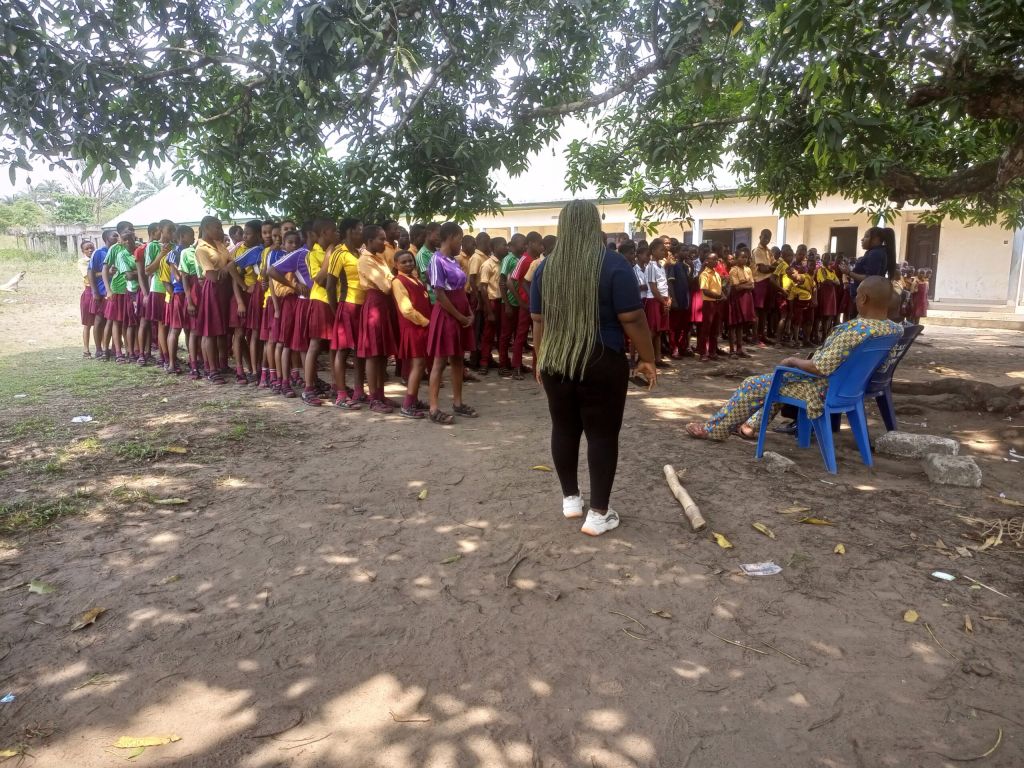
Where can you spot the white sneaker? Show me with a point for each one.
(597, 524)
(572, 507)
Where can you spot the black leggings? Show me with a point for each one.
(593, 406)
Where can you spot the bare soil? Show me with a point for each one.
(306, 608)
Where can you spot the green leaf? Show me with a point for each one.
(40, 587)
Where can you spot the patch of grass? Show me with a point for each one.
(125, 495)
(53, 467)
(32, 426)
(137, 450)
(221, 405)
(33, 514)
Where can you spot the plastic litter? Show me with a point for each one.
(943, 576)
(21, 395)
(8, 699)
(761, 569)
(81, 419)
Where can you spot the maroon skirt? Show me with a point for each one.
(741, 308)
(799, 311)
(376, 331)
(827, 304)
(346, 326)
(412, 342)
(657, 318)
(254, 309)
(225, 296)
(762, 288)
(282, 326)
(153, 306)
(446, 338)
(85, 307)
(234, 321)
(919, 303)
(99, 306)
(131, 308)
(177, 313)
(320, 322)
(113, 307)
(696, 306)
(210, 320)
(299, 341)
(266, 320)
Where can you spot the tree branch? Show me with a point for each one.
(638, 76)
(987, 95)
(246, 97)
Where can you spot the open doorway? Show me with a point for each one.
(923, 250)
(842, 241)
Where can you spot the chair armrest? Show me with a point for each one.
(779, 369)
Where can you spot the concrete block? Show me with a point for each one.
(912, 446)
(952, 470)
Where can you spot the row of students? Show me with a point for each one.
(274, 299)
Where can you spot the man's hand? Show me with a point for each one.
(649, 372)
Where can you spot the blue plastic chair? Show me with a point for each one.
(880, 386)
(846, 389)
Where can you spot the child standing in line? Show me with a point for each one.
(919, 300)
(828, 294)
(269, 309)
(711, 312)
(191, 282)
(177, 317)
(153, 289)
(242, 271)
(85, 301)
(414, 312)
(348, 317)
(656, 307)
(100, 328)
(212, 260)
(799, 291)
(282, 310)
(323, 303)
(741, 313)
(517, 284)
(451, 324)
(678, 275)
(490, 301)
(477, 302)
(119, 277)
(378, 339)
(510, 299)
(292, 269)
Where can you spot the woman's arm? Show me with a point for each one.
(538, 337)
(635, 325)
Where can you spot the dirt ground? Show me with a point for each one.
(305, 607)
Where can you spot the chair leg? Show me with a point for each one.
(887, 410)
(803, 430)
(823, 432)
(762, 432)
(859, 426)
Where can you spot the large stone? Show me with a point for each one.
(776, 463)
(952, 470)
(912, 446)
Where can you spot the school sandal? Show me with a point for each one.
(379, 406)
(215, 378)
(194, 375)
(87, 354)
(419, 405)
(465, 410)
(440, 417)
(467, 376)
(309, 397)
(241, 380)
(411, 413)
(517, 375)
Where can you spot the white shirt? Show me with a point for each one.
(645, 291)
(655, 273)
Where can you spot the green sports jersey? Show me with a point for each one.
(121, 261)
(508, 266)
(152, 252)
(423, 257)
(188, 264)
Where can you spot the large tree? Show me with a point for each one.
(388, 107)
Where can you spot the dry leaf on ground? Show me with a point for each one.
(541, 468)
(422, 494)
(88, 618)
(840, 549)
(451, 559)
(794, 510)
(723, 542)
(910, 616)
(815, 521)
(968, 625)
(134, 742)
(179, 449)
(662, 614)
(171, 502)
(40, 587)
(762, 528)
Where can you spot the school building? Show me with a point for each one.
(976, 270)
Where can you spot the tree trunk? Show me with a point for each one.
(967, 395)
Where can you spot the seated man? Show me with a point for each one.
(742, 414)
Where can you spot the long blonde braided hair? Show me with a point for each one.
(569, 291)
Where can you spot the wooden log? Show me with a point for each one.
(691, 510)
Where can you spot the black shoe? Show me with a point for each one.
(786, 429)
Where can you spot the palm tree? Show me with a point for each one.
(151, 183)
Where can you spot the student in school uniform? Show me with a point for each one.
(98, 289)
(378, 339)
(510, 303)
(291, 271)
(828, 292)
(679, 324)
(152, 290)
(242, 271)
(517, 284)
(656, 307)
(269, 307)
(85, 301)
(414, 312)
(191, 279)
(323, 304)
(711, 312)
(279, 310)
(211, 320)
(761, 268)
(177, 317)
(348, 317)
(799, 290)
(451, 324)
(919, 297)
(431, 235)
(741, 311)
(120, 278)
(481, 252)
(490, 301)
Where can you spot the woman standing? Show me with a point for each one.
(584, 302)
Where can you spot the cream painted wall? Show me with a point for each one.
(974, 263)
